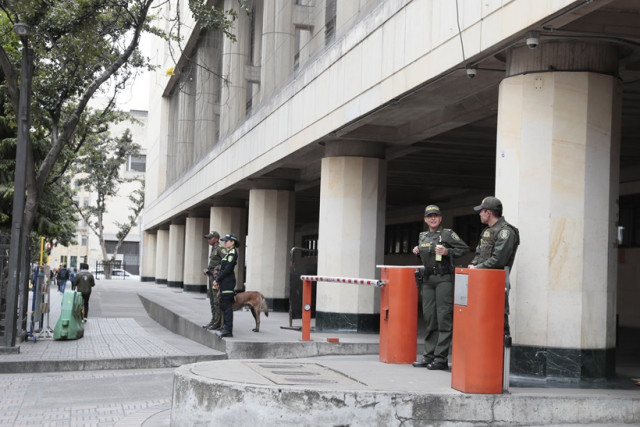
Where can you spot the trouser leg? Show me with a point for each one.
(444, 313)
(226, 305)
(85, 304)
(431, 321)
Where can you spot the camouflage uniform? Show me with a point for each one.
(215, 257)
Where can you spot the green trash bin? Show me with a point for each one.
(70, 325)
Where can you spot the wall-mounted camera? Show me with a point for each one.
(533, 40)
(471, 72)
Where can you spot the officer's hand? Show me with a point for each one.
(416, 251)
(205, 271)
(471, 266)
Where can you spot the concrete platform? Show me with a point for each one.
(362, 391)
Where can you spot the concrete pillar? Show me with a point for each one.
(186, 117)
(196, 254)
(175, 258)
(148, 270)
(232, 219)
(351, 234)
(557, 175)
(271, 226)
(172, 166)
(278, 45)
(234, 59)
(207, 101)
(162, 248)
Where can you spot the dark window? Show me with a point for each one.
(401, 238)
(330, 21)
(137, 163)
(629, 221)
(468, 227)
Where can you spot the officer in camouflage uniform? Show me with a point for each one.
(215, 257)
(498, 244)
(437, 248)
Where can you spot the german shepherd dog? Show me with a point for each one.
(256, 303)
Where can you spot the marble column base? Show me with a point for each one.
(161, 281)
(147, 279)
(347, 322)
(562, 365)
(279, 305)
(173, 284)
(195, 288)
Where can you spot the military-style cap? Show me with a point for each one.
(490, 202)
(432, 209)
(212, 234)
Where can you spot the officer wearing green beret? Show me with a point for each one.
(498, 243)
(215, 258)
(437, 247)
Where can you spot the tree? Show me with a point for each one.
(77, 46)
(98, 168)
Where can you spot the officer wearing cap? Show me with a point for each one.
(498, 243)
(215, 258)
(437, 247)
(226, 282)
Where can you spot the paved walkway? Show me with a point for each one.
(121, 373)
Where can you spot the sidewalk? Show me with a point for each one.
(266, 370)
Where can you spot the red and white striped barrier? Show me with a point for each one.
(306, 296)
(355, 281)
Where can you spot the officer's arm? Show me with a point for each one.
(458, 246)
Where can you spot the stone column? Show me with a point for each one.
(162, 248)
(351, 234)
(234, 59)
(271, 225)
(196, 254)
(231, 218)
(175, 259)
(557, 175)
(186, 119)
(148, 270)
(207, 101)
(278, 45)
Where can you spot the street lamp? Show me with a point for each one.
(17, 256)
(21, 29)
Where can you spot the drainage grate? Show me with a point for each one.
(300, 374)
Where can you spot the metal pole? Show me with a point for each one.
(306, 310)
(16, 259)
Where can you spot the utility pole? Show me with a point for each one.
(18, 241)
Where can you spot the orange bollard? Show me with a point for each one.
(398, 315)
(306, 310)
(478, 331)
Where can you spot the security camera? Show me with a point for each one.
(533, 40)
(471, 72)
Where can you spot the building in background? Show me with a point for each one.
(118, 208)
(339, 120)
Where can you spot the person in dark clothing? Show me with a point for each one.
(84, 282)
(226, 282)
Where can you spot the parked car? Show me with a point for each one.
(116, 274)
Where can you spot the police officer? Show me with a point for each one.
(215, 257)
(437, 248)
(498, 243)
(226, 282)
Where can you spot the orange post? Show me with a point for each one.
(306, 310)
(478, 331)
(398, 315)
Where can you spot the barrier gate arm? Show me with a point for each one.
(306, 296)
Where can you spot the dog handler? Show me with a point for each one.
(226, 282)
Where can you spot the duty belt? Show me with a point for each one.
(227, 292)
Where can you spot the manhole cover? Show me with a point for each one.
(300, 374)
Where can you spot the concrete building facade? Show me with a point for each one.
(330, 124)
